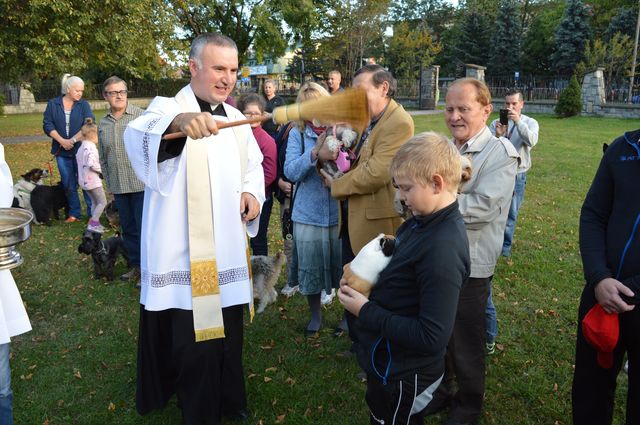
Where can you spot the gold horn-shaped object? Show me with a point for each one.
(349, 106)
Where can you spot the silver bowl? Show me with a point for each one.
(14, 229)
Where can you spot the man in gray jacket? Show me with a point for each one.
(484, 204)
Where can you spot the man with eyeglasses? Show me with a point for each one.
(121, 180)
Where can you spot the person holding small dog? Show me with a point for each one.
(252, 105)
(90, 173)
(63, 118)
(13, 316)
(484, 203)
(402, 329)
(315, 212)
(203, 195)
(121, 180)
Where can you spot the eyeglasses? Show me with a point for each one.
(115, 93)
(252, 114)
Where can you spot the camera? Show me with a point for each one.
(504, 116)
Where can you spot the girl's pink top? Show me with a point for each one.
(88, 166)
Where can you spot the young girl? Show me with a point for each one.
(89, 173)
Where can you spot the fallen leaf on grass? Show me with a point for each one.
(77, 374)
(267, 379)
(271, 369)
(555, 387)
(26, 377)
(112, 407)
(290, 381)
(60, 403)
(280, 419)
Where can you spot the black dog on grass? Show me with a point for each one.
(47, 200)
(103, 252)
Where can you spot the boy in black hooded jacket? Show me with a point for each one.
(405, 325)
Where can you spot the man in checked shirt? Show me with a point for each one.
(116, 168)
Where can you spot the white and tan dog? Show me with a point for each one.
(362, 273)
(265, 271)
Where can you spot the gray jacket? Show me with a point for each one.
(524, 136)
(485, 199)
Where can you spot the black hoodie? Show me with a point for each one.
(610, 217)
(409, 318)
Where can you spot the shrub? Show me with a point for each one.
(1, 104)
(570, 100)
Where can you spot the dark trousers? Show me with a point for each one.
(401, 401)
(464, 361)
(207, 376)
(594, 387)
(259, 243)
(129, 207)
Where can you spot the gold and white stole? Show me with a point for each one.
(205, 289)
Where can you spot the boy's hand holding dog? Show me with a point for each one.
(351, 299)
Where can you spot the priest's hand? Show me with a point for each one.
(249, 207)
(195, 125)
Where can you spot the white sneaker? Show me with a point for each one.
(326, 299)
(289, 291)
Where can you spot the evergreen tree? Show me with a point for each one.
(474, 43)
(623, 22)
(570, 99)
(505, 42)
(571, 36)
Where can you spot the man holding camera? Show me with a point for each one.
(522, 132)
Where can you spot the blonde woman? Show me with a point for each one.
(315, 212)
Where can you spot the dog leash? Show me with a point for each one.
(50, 169)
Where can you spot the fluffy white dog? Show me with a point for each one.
(362, 273)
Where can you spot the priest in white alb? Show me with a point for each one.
(203, 195)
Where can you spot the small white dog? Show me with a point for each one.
(265, 271)
(362, 273)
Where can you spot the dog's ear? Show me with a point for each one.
(604, 147)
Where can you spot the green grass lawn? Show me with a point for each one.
(77, 366)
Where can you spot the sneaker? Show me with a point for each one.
(289, 291)
(326, 299)
(98, 228)
(490, 348)
(131, 275)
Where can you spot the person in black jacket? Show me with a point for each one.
(610, 249)
(404, 327)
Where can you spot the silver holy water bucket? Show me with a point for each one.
(14, 229)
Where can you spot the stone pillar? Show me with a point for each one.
(429, 91)
(27, 101)
(593, 95)
(475, 71)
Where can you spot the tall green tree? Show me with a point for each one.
(436, 15)
(44, 39)
(410, 49)
(266, 26)
(571, 36)
(623, 22)
(539, 44)
(474, 42)
(612, 55)
(505, 40)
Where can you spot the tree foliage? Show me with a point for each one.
(409, 49)
(570, 100)
(505, 41)
(612, 55)
(474, 42)
(538, 45)
(44, 39)
(571, 36)
(623, 22)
